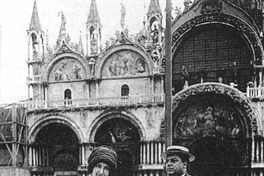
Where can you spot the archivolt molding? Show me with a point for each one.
(231, 21)
(98, 121)
(220, 89)
(38, 125)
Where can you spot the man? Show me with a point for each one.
(176, 160)
(102, 162)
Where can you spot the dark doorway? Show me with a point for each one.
(124, 137)
(63, 146)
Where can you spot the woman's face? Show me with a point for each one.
(101, 169)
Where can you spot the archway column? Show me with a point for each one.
(150, 152)
(84, 152)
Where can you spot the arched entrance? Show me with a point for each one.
(124, 137)
(216, 122)
(63, 147)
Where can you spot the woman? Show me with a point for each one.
(102, 162)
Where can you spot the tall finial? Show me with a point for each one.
(144, 19)
(93, 16)
(63, 21)
(62, 32)
(35, 22)
(123, 15)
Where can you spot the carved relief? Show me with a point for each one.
(150, 118)
(64, 49)
(125, 63)
(205, 120)
(67, 69)
(211, 6)
(218, 89)
(93, 44)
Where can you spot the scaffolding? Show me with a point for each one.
(13, 136)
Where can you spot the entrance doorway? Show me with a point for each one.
(124, 137)
(63, 148)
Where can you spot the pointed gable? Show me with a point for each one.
(93, 16)
(154, 7)
(35, 22)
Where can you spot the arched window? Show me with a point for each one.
(67, 97)
(124, 90)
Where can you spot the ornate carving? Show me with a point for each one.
(187, 5)
(241, 26)
(122, 38)
(218, 89)
(211, 6)
(215, 119)
(64, 49)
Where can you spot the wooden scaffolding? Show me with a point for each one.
(13, 136)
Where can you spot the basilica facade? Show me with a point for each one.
(83, 96)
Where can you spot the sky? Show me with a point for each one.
(15, 17)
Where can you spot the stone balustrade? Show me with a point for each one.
(34, 79)
(255, 92)
(93, 102)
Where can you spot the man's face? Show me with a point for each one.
(175, 166)
(101, 169)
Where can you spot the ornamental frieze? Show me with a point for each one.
(218, 18)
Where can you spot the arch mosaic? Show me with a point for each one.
(244, 109)
(100, 120)
(38, 125)
(231, 21)
(66, 67)
(123, 61)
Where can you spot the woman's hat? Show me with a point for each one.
(176, 150)
(103, 154)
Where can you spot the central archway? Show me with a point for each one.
(119, 132)
(216, 122)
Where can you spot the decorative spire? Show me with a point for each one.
(123, 16)
(93, 16)
(35, 23)
(62, 33)
(80, 45)
(154, 7)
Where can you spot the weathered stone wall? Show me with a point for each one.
(82, 121)
(78, 90)
(112, 88)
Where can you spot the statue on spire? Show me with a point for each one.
(63, 20)
(123, 15)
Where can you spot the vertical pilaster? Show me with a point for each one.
(97, 89)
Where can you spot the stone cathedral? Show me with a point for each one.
(83, 95)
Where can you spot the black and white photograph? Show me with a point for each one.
(131, 88)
